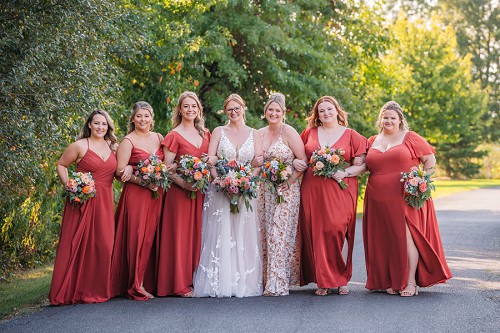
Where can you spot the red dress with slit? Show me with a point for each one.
(179, 235)
(327, 216)
(83, 257)
(137, 217)
(385, 216)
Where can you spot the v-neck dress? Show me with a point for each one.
(179, 233)
(83, 257)
(385, 216)
(137, 217)
(327, 216)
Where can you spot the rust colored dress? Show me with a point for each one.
(385, 215)
(327, 216)
(83, 259)
(179, 239)
(137, 217)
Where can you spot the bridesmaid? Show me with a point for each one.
(278, 222)
(327, 214)
(138, 213)
(83, 259)
(180, 227)
(403, 247)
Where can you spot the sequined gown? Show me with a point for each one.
(230, 261)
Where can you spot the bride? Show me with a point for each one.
(231, 255)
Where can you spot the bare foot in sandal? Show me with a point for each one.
(343, 290)
(322, 291)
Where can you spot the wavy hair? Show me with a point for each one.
(199, 121)
(313, 119)
(110, 133)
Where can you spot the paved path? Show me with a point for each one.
(470, 302)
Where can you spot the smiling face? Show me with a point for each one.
(327, 113)
(234, 111)
(274, 113)
(390, 121)
(189, 108)
(142, 120)
(98, 126)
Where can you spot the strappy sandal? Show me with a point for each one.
(407, 293)
(343, 290)
(391, 291)
(322, 291)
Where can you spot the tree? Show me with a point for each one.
(54, 72)
(434, 84)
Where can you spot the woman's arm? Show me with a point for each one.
(212, 150)
(429, 162)
(74, 153)
(297, 146)
(257, 146)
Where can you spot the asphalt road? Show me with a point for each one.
(470, 302)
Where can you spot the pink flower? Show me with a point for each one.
(414, 182)
(423, 187)
(319, 165)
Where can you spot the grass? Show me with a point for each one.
(25, 291)
(28, 290)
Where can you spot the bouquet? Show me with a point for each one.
(193, 170)
(236, 181)
(417, 187)
(153, 171)
(80, 188)
(326, 161)
(275, 172)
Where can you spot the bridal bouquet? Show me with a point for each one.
(275, 172)
(153, 171)
(80, 187)
(417, 187)
(193, 170)
(326, 161)
(236, 181)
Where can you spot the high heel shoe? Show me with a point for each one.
(391, 291)
(322, 291)
(408, 293)
(344, 290)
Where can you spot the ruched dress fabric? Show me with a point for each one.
(278, 224)
(179, 235)
(327, 216)
(137, 218)
(386, 214)
(231, 255)
(83, 259)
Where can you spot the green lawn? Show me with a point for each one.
(27, 290)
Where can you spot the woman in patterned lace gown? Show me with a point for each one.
(278, 221)
(230, 261)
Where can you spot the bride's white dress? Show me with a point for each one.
(231, 255)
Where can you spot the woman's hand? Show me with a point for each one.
(339, 175)
(127, 173)
(172, 168)
(258, 161)
(299, 165)
(358, 160)
(152, 187)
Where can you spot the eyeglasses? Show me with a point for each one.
(236, 109)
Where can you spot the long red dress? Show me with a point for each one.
(137, 217)
(83, 259)
(327, 216)
(179, 238)
(385, 215)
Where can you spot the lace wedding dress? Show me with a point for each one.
(230, 261)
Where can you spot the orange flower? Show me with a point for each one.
(268, 164)
(157, 168)
(197, 175)
(335, 159)
(144, 169)
(77, 199)
(205, 171)
(87, 189)
(264, 174)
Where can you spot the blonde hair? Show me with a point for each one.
(236, 98)
(391, 105)
(279, 98)
(313, 119)
(139, 106)
(199, 121)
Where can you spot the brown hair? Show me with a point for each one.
(391, 105)
(199, 121)
(110, 133)
(139, 106)
(313, 119)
